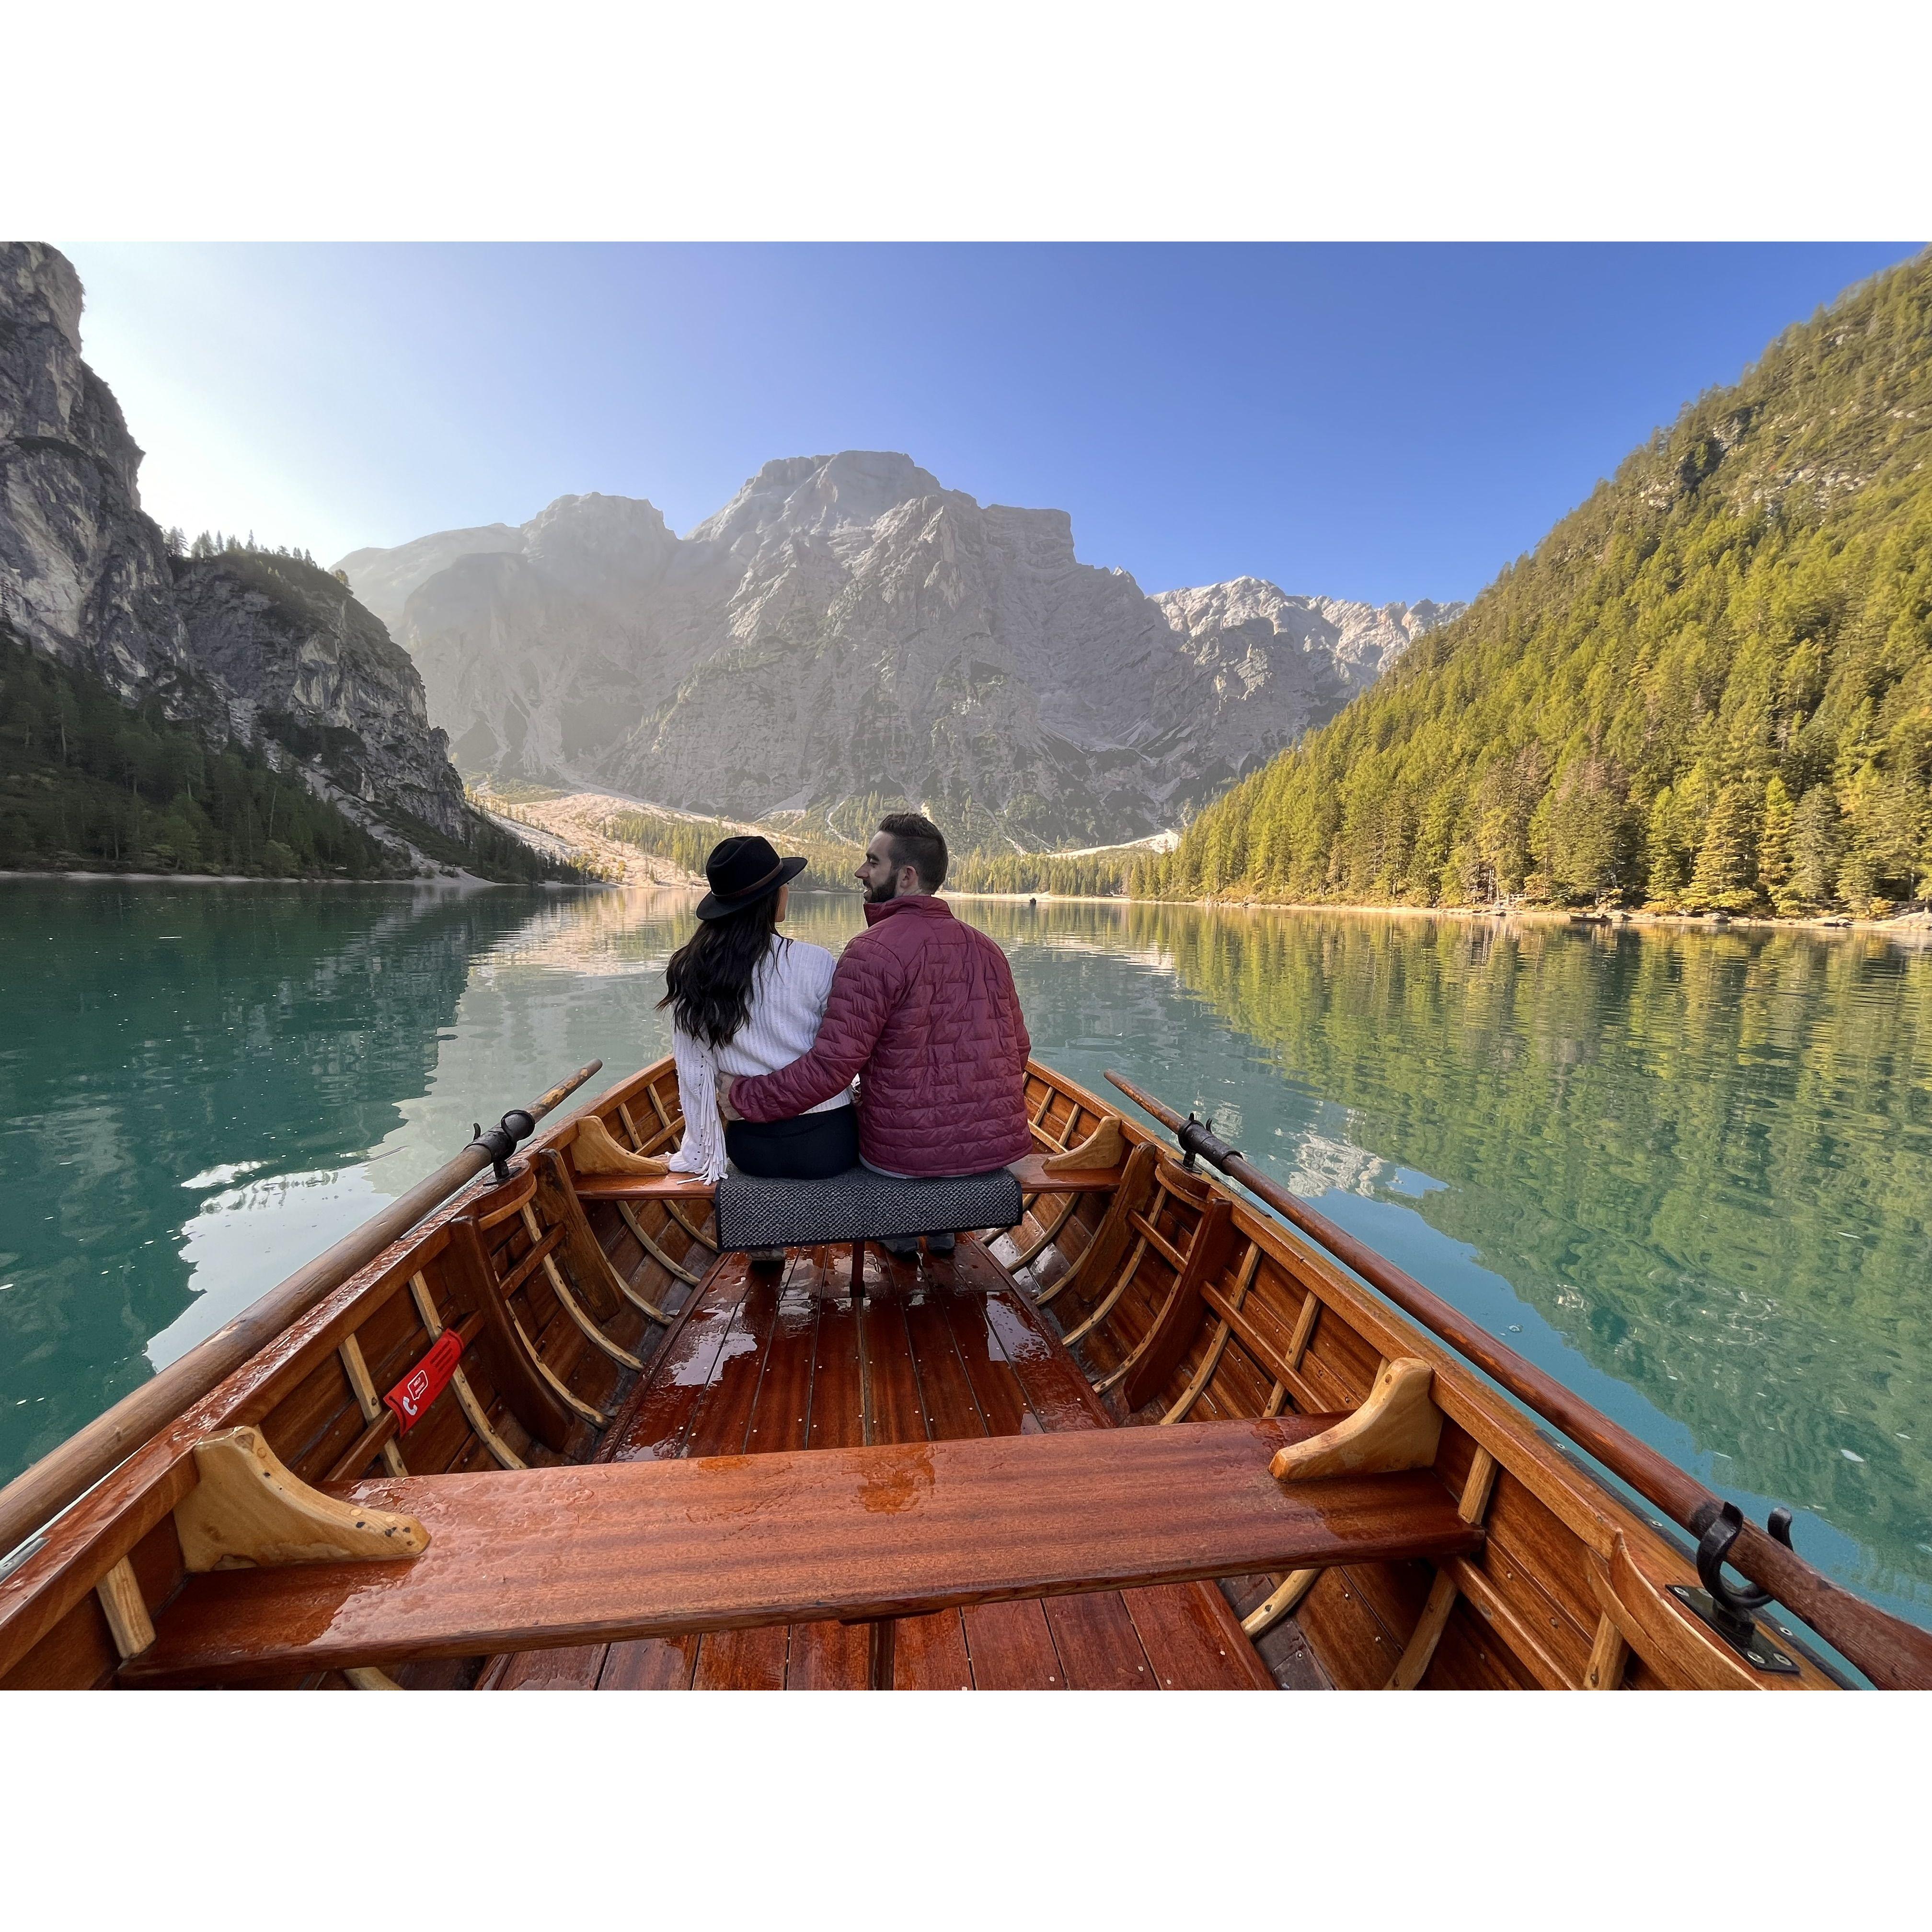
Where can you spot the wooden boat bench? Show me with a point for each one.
(542, 1559)
(857, 1207)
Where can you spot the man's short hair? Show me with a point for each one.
(919, 843)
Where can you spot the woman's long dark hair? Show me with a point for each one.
(708, 981)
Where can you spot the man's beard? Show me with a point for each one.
(879, 895)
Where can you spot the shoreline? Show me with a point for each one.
(1898, 925)
(464, 882)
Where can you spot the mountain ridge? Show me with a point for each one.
(239, 672)
(847, 627)
(1708, 689)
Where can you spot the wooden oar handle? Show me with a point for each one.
(1894, 1654)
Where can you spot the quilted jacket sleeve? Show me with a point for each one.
(865, 986)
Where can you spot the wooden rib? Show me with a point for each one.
(357, 1370)
(1287, 1380)
(537, 1253)
(126, 1609)
(1057, 1142)
(1304, 1329)
(591, 1334)
(1608, 1654)
(1114, 1293)
(666, 1130)
(1027, 1256)
(1161, 1245)
(598, 1418)
(658, 1255)
(1046, 1101)
(512, 1362)
(685, 1221)
(355, 1459)
(506, 1457)
(1511, 1631)
(1477, 1486)
(1210, 1362)
(1263, 1617)
(1158, 1353)
(631, 1128)
(1046, 1295)
(1420, 1651)
(367, 1677)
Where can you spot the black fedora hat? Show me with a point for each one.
(742, 871)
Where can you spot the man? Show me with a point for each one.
(923, 1007)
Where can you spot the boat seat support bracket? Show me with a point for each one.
(247, 1511)
(1397, 1427)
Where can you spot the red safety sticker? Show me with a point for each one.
(410, 1399)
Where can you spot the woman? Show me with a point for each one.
(745, 1000)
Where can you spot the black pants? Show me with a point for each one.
(813, 1146)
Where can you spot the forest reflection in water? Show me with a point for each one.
(1685, 1170)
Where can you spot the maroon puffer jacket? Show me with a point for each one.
(923, 1006)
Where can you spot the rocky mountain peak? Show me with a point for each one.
(818, 495)
(241, 644)
(848, 626)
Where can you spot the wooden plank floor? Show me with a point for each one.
(765, 1362)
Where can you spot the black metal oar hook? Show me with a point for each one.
(1198, 1137)
(500, 1142)
(1720, 1532)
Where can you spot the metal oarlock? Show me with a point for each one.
(500, 1142)
(1726, 1608)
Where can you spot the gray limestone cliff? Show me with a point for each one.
(848, 628)
(251, 645)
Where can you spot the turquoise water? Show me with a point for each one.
(1688, 1172)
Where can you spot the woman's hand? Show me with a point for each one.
(724, 1106)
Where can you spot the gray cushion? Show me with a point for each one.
(860, 1205)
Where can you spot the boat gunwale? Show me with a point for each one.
(105, 1526)
(102, 1526)
(1551, 1467)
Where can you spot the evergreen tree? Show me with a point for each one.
(1817, 843)
(1750, 599)
(1725, 877)
(1775, 863)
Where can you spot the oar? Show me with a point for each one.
(41, 1492)
(1894, 1654)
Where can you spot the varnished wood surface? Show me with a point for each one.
(1305, 1337)
(537, 1558)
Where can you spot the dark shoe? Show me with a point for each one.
(940, 1245)
(903, 1250)
(766, 1260)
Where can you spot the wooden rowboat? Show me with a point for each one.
(1154, 1438)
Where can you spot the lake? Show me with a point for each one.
(1687, 1172)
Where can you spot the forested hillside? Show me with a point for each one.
(1709, 688)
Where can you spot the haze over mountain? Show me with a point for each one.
(228, 707)
(848, 628)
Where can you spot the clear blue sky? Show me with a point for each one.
(1377, 421)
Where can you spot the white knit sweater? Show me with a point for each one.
(788, 994)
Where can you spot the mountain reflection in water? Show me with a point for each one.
(1687, 1172)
